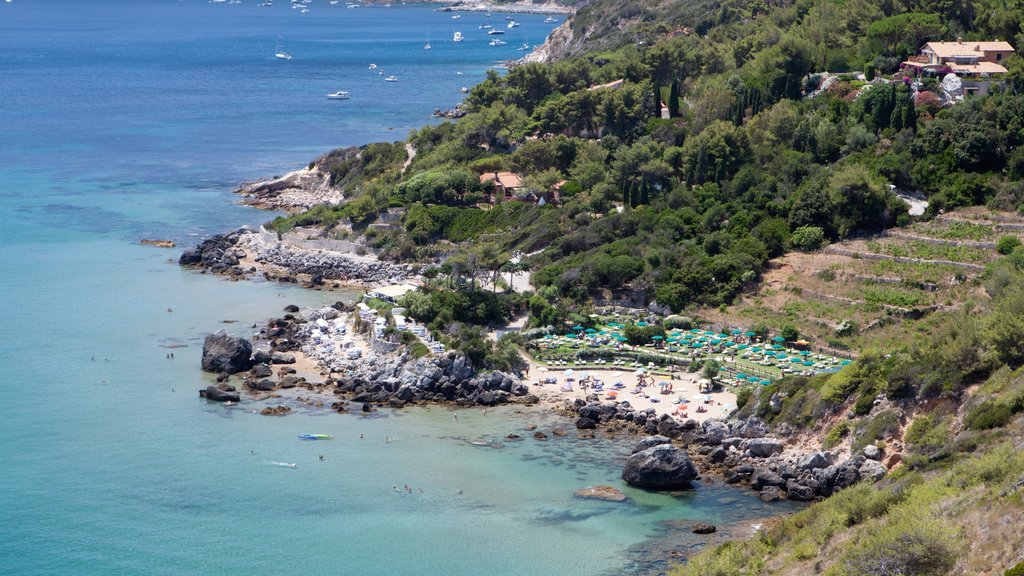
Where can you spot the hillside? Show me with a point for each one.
(734, 166)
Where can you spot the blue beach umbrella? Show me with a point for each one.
(778, 339)
(750, 334)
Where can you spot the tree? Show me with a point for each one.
(1006, 244)
(673, 99)
(657, 99)
(807, 238)
(710, 370)
(789, 332)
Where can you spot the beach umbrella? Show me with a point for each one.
(795, 360)
(803, 353)
(641, 323)
(568, 372)
(730, 344)
(639, 371)
(591, 331)
(741, 376)
(765, 382)
(776, 347)
(778, 339)
(736, 332)
(695, 330)
(808, 363)
(742, 347)
(672, 339)
(845, 362)
(577, 327)
(573, 336)
(657, 337)
(696, 344)
(750, 334)
(755, 349)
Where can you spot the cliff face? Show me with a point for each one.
(559, 44)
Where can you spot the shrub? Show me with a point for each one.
(836, 435)
(865, 402)
(807, 238)
(912, 543)
(743, 395)
(1006, 244)
(881, 426)
(988, 415)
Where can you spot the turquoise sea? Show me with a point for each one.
(125, 119)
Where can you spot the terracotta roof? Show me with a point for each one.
(979, 68)
(967, 48)
(509, 180)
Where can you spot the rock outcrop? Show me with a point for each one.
(607, 493)
(223, 352)
(660, 467)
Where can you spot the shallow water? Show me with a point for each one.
(124, 120)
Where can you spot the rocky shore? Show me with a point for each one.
(742, 452)
(245, 252)
(392, 379)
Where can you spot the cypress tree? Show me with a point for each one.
(792, 90)
(645, 192)
(657, 99)
(673, 99)
(910, 115)
(896, 118)
(626, 200)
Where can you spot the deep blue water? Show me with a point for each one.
(128, 119)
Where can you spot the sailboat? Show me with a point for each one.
(281, 54)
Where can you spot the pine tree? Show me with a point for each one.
(673, 99)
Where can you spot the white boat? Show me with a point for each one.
(391, 79)
(427, 45)
(524, 47)
(373, 66)
(495, 31)
(497, 42)
(550, 19)
(339, 95)
(513, 24)
(457, 37)
(456, 16)
(464, 90)
(281, 54)
(485, 26)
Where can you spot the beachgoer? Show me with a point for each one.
(360, 436)
(321, 457)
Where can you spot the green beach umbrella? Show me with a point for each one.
(737, 332)
(765, 382)
(776, 347)
(845, 362)
(672, 339)
(696, 344)
(755, 349)
(742, 347)
(641, 323)
(808, 363)
(741, 376)
(750, 334)
(657, 337)
(803, 353)
(778, 339)
(591, 331)
(695, 330)
(795, 360)
(570, 335)
(577, 327)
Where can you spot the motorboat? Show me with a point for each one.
(513, 24)
(524, 47)
(485, 26)
(457, 37)
(550, 19)
(495, 31)
(427, 46)
(391, 79)
(464, 90)
(497, 42)
(339, 95)
(456, 16)
(315, 436)
(373, 66)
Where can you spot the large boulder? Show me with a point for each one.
(762, 478)
(872, 470)
(221, 393)
(223, 352)
(650, 442)
(815, 460)
(661, 467)
(714, 431)
(763, 447)
(750, 428)
(871, 452)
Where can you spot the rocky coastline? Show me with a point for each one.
(741, 452)
(245, 253)
(391, 379)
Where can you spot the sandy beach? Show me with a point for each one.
(683, 387)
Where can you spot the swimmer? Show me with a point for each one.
(360, 436)
(321, 457)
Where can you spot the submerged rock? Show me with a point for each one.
(661, 467)
(606, 493)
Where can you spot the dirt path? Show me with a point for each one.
(410, 152)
